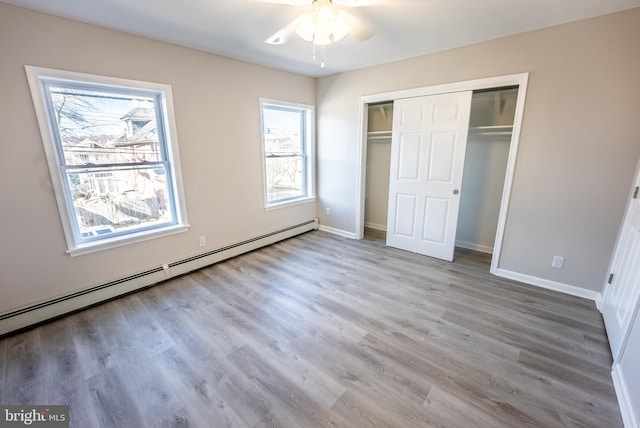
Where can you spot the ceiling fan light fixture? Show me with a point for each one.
(306, 27)
(341, 28)
(324, 25)
(324, 18)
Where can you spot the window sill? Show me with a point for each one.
(293, 202)
(108, 244)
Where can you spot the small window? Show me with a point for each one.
(287, 139)
(112, 154)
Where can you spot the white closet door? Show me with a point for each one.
(621, 297)
(427, 158)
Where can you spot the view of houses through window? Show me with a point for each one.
(112, 159)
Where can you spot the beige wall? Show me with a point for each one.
(217, 114)
(578, 148)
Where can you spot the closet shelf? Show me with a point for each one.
(491, 130)
(475, 130)
(378, 135)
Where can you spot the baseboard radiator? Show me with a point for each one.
(43, 311)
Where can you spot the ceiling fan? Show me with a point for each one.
(323, 23)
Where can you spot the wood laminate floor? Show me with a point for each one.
(321, 330)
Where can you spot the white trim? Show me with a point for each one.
(309, 151)
(34, 76)
(629, 418)
(107, 244)
(520, 80)
(599, 301)
(337, 231)
(510, 172)
(361, 162)
(376, 226)
(475, 247)
(549, 285)
(19, 318)
(467, 85)
(290, 203)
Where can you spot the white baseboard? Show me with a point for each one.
(337, 231)
(36, 313)
(629, 418)
(475, 247)
(548, 284)
(376, 226)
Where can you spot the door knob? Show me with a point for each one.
(456, 191)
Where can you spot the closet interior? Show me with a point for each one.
(376, 197)
(487, 151)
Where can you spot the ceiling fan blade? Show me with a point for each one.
(284, 34)
(359, 30)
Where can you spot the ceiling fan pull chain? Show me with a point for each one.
(313, 51)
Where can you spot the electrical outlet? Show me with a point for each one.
(328, 210)
(202, 241)
(557, 262)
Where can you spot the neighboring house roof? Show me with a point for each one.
(145, 135)
(139, 114)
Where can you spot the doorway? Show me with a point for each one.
(518, 81)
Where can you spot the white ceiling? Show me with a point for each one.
(401, 28)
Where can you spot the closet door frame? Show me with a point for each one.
(519, 80)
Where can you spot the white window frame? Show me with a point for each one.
(37, 76)
(308, 142)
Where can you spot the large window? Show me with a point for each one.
(287, 137)
(112, 154)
